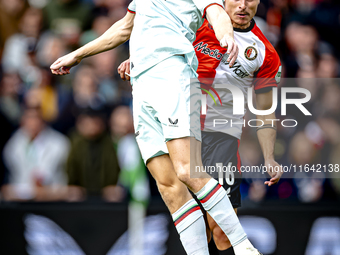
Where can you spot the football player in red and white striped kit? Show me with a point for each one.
(257, 65)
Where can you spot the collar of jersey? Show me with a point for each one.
(252, 24)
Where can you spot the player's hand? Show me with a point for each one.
(124, 70)
(274, 170)
(232, 51)
(63, 65)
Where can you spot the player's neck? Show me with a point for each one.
(241, 26)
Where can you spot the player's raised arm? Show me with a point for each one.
(267, 136)
(223, 28)
(117, 34)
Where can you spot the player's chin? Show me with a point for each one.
(242, 21)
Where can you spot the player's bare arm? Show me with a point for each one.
(267, 136)
(223, 28)
(117, 34)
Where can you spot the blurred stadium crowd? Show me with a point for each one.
(71, 138)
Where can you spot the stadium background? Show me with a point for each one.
(72, 181)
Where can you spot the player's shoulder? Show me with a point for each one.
(205, 35)
(270, 51)
(205, 30)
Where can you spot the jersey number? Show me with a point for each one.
(225, 173)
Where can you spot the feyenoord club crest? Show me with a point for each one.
(250, 53)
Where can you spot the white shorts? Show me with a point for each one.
(165, 106)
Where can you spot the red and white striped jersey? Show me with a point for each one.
(258, 64)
